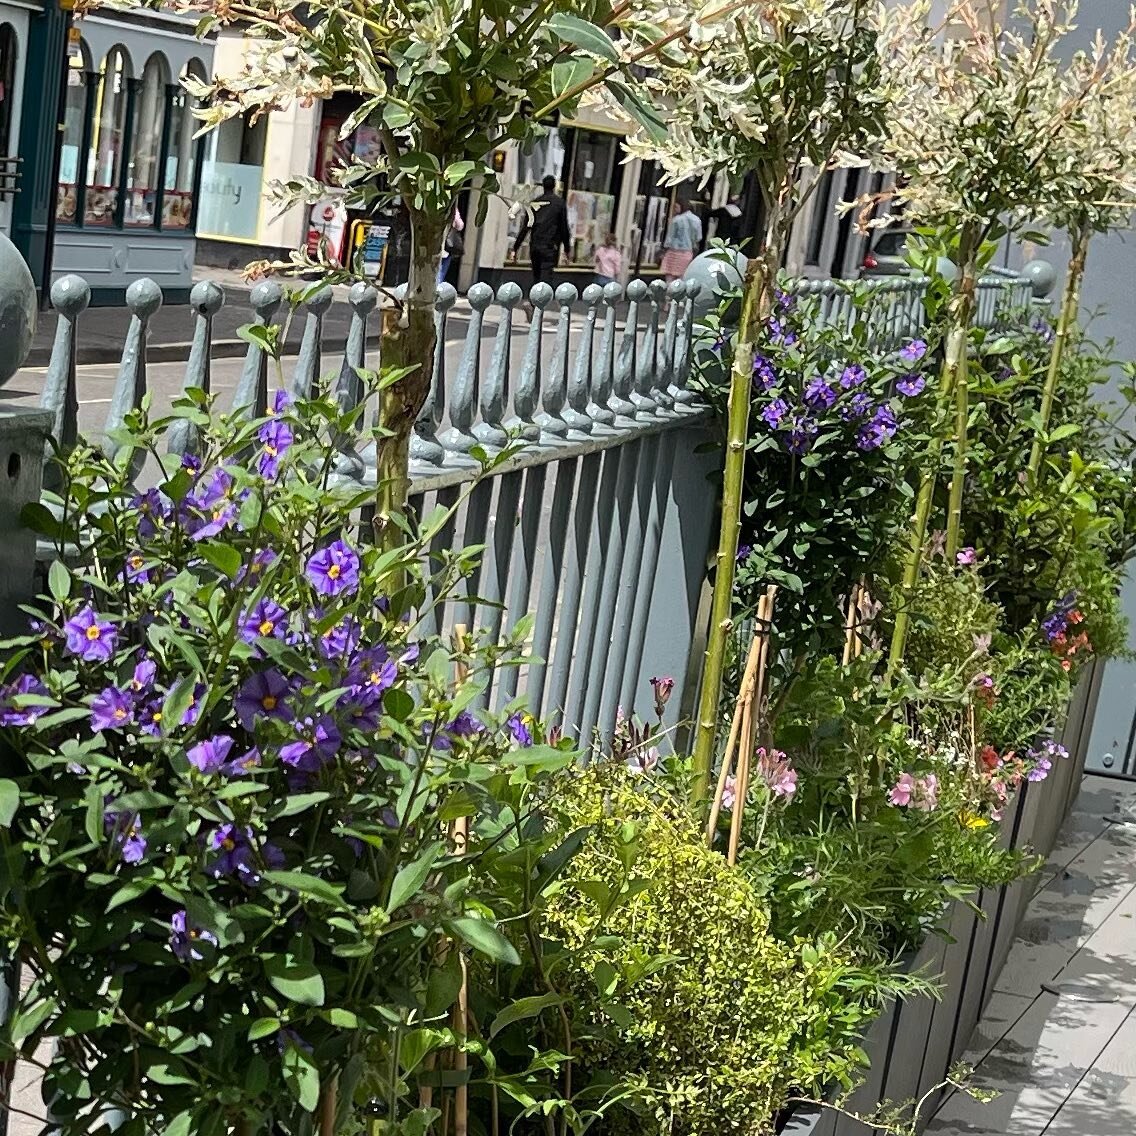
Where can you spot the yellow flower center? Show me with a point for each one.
(136, 562)
(93, 633)
(333, 572)
(270, 451)
(228, 844)
(119, 713)
(157, 716)
(266, 627)
(269, 702)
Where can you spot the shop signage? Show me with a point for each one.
(327, 228)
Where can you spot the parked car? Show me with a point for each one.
(886, 256)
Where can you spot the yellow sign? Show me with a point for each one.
(74, 35)
(67, 5)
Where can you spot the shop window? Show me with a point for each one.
(652, 213)
(543, 156)
(9, 52)
(71, 143)
(108, 133)
(231, 179)
(146, 144)
(181, 153)
(591, 184)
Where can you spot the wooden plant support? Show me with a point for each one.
(738, 754)
(858, 602)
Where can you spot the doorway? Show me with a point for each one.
(13, 46)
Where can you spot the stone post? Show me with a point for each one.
(23, 433)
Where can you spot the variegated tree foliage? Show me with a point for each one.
(996, 124)
(776, 91)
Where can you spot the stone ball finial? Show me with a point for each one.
(17, 310)
(206, 297)
(715, 274)
(1042, 277)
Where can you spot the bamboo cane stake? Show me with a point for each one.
(850, 617)
(735, 728)
(460, 841)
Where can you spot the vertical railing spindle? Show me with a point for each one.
(251, 394)
(205, 299)
(459, 438)
(70, 296)
(424, 444)
(306, 374)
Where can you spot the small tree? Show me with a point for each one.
(987, 133)
(776, 91)
(444, 83)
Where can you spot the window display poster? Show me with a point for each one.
(589, 221)
(327, 227)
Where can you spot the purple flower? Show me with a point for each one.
(150, 718)
(363, 706)
(240, 766)
(966, 557)
(764, 373)
(913, 352)
(859, 406)
(729, 794)
(257, 565)
(191, 463)
(1043, 328)
(802, 432)
(911, 385)
(193, 710)
(819, 395)
(134, 569)
(743, 552)
(89, 637)
(213, 500)
(375, 670)
(186, 937)
(775, 411)
(853, 376)
(1057, 621)
(518, 728)
(153, 511)
(663, 688)
(111, 710)
(275, 436)
(267, 620)
(775, 769)
(317, 744)
(1041, 770)
(282, 400)
(10, 714)
(262, 695)
(234, 850)
(145, 671)
(210, 755)
(128, 836)
(334, 570)
(780, 333)
(341, 640)
(879, 430)
(465, 725)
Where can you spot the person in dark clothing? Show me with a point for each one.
(548, 232)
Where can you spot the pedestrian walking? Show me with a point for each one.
(609, 261)
(547, 232)
(684, 235)
(453, 245)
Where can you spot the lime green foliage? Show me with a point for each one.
(735, 1021)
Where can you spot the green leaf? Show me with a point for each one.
(301, 1075)
(311, 886)
(410, 878)
(443, 985)
(180, 1125)
(571, 29)
(300, 803)
(27, 1022)
(484, 937)
(128, 893)
(459, 172)
(224, 557)
(569, 73)
(639, 109)
(59, 581)
(263, 1027)
(523, 1008)
(297, 981)
(9, 802)
(177, 702)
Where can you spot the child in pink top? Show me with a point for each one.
(609, 261)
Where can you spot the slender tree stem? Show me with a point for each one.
(1070, 303)
(755, 308)
(960, 332)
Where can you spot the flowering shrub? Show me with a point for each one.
(231, 757)
(833, 427)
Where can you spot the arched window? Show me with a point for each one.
(108, 131)
(146, 144)
(181, 156)
(75, 113)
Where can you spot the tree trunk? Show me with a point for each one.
(957, 351)
(411, 346)
(760, 278)
(1070, 303)
(954, 362)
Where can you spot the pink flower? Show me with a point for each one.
(774, 769)
(927, 794)
(903, 790)
(729, 794)
(966, 557)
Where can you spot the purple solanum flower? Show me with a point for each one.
(819, 395)
(801, 435)
(262, 560)
(852, 376)
(153, 511)
(193, 710)
(186, 938)
(318, 743)
(282, 400)
(13, 715)
(375, 670)
(764, 373)
(91, 638)
(127, 835)
(743, 552)
(262, 695)
(775, 411)
(111, 709)
(780, 333)
(465, 725)
(210, 755)
(342, 640)
(913, 352)
(910, 385)
(879, 430)
(266, 620)
(150, 718)
(145, 671)
(860, 405)
(519, 730)
(275, 436)
(235, 850)
(134, 570)
(334, 570)
(243, 765)
(363, 707)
